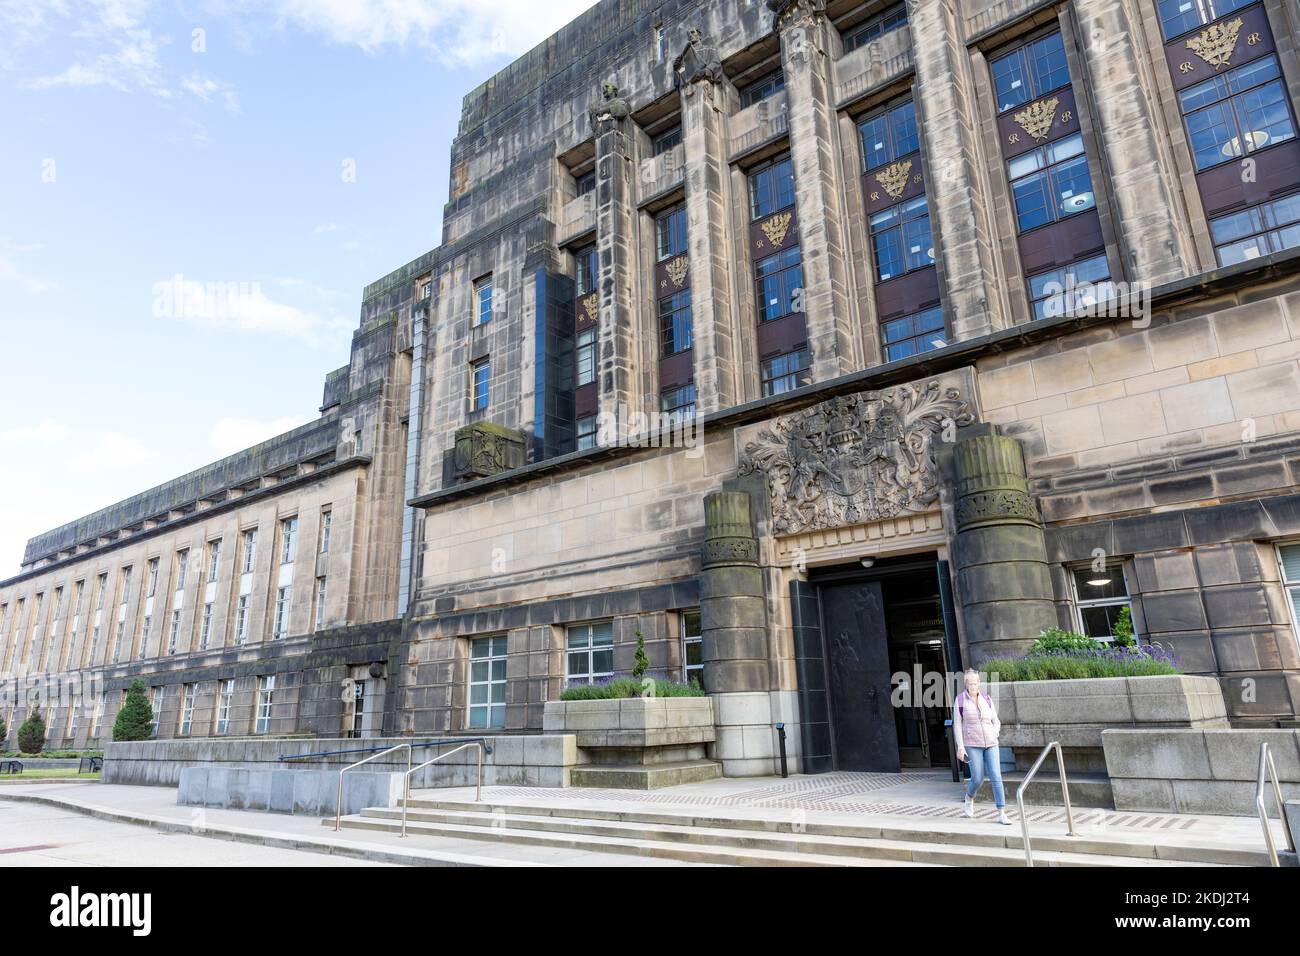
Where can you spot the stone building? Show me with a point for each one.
(988, 314)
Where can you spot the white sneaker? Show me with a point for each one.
(1003, 818)
(968, 806)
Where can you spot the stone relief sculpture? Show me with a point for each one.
(699, 61)
(855, 458)
(612, 109)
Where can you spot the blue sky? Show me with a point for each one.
(299, 147)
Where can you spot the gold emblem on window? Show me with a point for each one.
(1037, 120)
(776, 228)
(894, 178)
(1216, 44)
(590, 304)
(677, 270)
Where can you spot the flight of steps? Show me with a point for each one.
(729, 841)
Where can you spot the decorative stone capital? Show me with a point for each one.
(698, 63)
(484, 449)
(992, 486)
(729, 529)
(794, 13)
(612, 110)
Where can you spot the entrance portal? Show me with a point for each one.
(875, 623)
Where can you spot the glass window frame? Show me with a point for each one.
(580, 640)
(1035, 85)
(1083, 604)
(887, 345)
(773, 381)
(780, 272)
(492, 660)
(671, 232)
(766, 184)
(676, 334)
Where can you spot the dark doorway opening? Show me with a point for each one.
(876, 623)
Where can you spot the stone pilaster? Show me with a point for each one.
(958, 210)
(616, 373)
(999, 550)
(733, 619)
(807, 45)
(1146, 204)
(711, 255)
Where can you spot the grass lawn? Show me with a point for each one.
(36, 773)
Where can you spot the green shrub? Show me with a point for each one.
(31, 734)
(1054, 639)
(624, 688)
(1124, 628)
(1076, 665)
(641, 663)
(135, 719)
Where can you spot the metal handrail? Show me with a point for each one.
(1065, 794)
(406, 782)
(338, 807)
(1266, 763)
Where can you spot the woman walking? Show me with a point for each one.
(975, 728)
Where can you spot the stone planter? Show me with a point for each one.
(1075, 712)
(637, 743)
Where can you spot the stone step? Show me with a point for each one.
(1184, 852)
(739, 845)
(645, 776)
(1086, 790)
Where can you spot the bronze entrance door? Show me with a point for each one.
(857, 669)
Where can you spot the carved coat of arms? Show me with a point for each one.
(1216, 43)
(1036, 120)
(677, 270)
(855, 458)
(894, 177)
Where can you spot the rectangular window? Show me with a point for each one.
(326, 520)
(785, 373)
(175, 631)
(283, 605)
(586, 432)
(225, 694)
(1259, 231)
(585, 353)
(1237, 112)
(187, 709)
(913, 334)
(145, 630)
(480, 374)
(586, 183)
(1033, 70)
(762, 88)
(675, 323)
(1101, 596)
(678, 403)
(320, 602)
(670, 233)
(889, 135)
(483, 301)
(153, 579)
(358, 708)
(1179, 16)
(778, 282)
(206, 630)
(157, 711)
(241, 620)
(250, 549)
(1050, 183)
(876, 27)
(288, 540)
(103, 586)
(771, 188)
(692, 648)
(214, 560)
(586, 269)
(265, 698)
(590, 654)
(1289, 556)
(901, 241)
(182, 567)
(1059, 291)
(667, 140)
(487, 682)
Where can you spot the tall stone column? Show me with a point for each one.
(999, 550)
(733, 621)
(949, 111)
(807, 43)
(708, 216)
(1131, 128)
(617, 252)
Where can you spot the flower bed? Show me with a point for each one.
(1083, 664)
(624, 688)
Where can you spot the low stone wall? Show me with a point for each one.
(1197, 771)
(312, 792)
(541, 760)
(1077, 712)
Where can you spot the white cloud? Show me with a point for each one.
(209, 90)
(325, 227)
(12, 270)
(130, 63)
(230, 435)
(244, 306)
